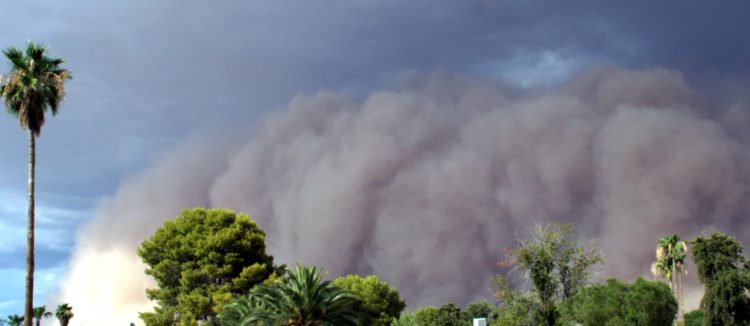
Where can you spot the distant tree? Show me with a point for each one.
(722, 270)
(200, 261)
(39, 313)
(557, 266)
(15, 320)
(619, 304)
(517, 308)
(407, 318)
(695, 318)
(300, 298)
(451, 315)
(379, 301)
(480, 309)
(670, 264)
(35, 85)
(64, 314)
(427, 316)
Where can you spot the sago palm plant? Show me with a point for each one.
(301, 298)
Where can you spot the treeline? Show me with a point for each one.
(211, 268)
(64, 314)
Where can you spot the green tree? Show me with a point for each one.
(427, 316)
(64, 314)
(300, 298)
(15, 320)
(36, 83)
(557, 266)
(619, 304)
(670, 264)
(480, 309)
(200, 261)
(451, 315)
(695, 318)
(39, 313)
(407, 318)
(722, 270)
(379, 301)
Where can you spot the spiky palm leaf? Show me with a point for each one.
(670, 257)
(15, 320)
(64, 314)
(35, 84)
(39, 313)
(301, 298)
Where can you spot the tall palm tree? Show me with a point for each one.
(64, 314)
(670, 264)
(35, 84)
(301, 298)
(41, 312)
(15, 320)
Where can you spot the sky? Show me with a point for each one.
(149, 78)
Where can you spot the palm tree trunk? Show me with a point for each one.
(29, 310)
(680, 300)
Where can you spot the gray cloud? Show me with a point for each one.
(147, 74)
(426, 184)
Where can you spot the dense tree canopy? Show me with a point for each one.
(407, 318)
(378, 301)
(722, 269)
(480, 309)
(200, 261)
(557, 265)
(616, 303)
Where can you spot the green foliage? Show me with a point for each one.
(15, 320)
(407, 318)
(379, 302)
(450, 315)
(301, 298)
(480, 309)
(722, 269)
(726, 301)
(35, 84)
(557, 266)
(39, 313)
(64, 314)
(426, 316)
(200, 261)
(447, 315)
(517, 307)
(617, 303)
(695, 318)
(714, 253)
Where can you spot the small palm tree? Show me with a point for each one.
(35, 84)
(670, 264)
(41, 312)
(64, 314)
(15, 320)
(301, 298)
